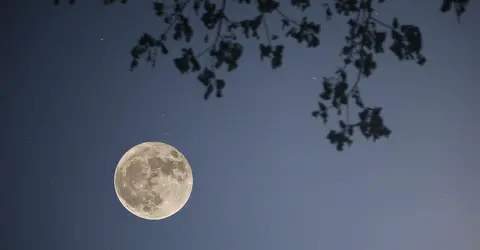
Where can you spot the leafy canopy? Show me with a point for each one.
(366, 37)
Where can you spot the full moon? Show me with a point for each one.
(153, 180)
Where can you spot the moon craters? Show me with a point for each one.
(135, 186)
(153, 182)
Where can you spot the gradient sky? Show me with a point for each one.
(265, 177)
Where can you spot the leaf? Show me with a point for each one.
(267, 6)
(208, 92)
(397, 49)
(206, 77)
(164, 50)
(196, 6)
(195, 64)
(265, 51)
(159, 8)
(350, 130)
(182, 64)
(220, 84)
(133, 64)
(277, 58)
(446, 6)
(328, 11)
(395, 23)
(322, 107)
(186, 29)
(301, 4)
(327, 90)
(380, 38)
(421, 60)
(285, 23)
(359, 103)
(324, 116)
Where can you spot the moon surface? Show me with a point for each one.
(153, 180)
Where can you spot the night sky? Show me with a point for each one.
(265, 177)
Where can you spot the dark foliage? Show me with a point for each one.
(366, 37)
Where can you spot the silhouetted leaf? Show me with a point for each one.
(208, 92)
(159, 8)
(350, 130)
(277, 58)
(196, 6)
(379, 40)
(206, 77)
(220, 84)
(446, 6)
(265, 51)
(267, 6)
(421, 60)
(322, 107)
(301, 4)
(395, 23)
(195, 64)
(328, 11)
(324, 116)
(182, 64)
(133, 64)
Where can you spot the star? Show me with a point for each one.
(101, 38)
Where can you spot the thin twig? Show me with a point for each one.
(219, 29)
(381, 23)
(286, 17)
(265, 25)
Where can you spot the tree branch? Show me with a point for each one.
(381, 23)
(218, 32)
(162, 36)
(286, 17)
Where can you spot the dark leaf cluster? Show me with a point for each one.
(366, 37)
(458, 6)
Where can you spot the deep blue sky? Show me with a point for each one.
(265, 178)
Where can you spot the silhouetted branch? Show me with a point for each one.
(286, 17)
(381, 23)
(265, 25)
(218, 33)
(363, 42)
